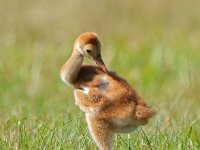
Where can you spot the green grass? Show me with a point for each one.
(154, 45)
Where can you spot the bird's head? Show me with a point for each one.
(89, 45)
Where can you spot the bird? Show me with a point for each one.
(110, 104)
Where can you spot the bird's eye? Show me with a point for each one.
(89, 51)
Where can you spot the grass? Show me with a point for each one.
(154, 45)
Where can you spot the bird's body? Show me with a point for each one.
(111, 98)
(110, 103)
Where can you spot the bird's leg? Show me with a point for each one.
(100, 132)
(89, 100)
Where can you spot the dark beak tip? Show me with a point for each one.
(101, 64)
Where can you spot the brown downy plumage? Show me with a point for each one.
(110, 103)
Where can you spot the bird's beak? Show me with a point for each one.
(101, 64)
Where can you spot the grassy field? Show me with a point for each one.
(154, 45)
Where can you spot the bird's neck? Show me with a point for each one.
(71, 68)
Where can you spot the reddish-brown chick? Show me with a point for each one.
(111, 105)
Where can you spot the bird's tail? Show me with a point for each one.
(143, 113)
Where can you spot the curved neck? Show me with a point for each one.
(70, 70)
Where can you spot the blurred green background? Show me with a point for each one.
(154, 45)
